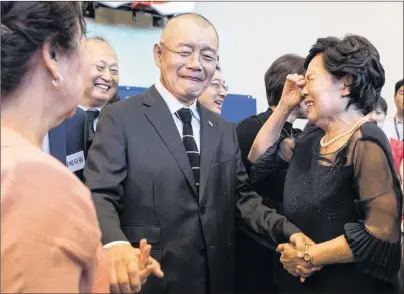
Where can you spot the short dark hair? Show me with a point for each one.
(275, 76)
(398, 86)
(353, 56)
(382, 104)
(25, 26)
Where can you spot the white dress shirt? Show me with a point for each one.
(174, 105)
(45, 145)
(394, 129)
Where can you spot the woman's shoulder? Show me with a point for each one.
(371, 132)
(33, 172)
(24, 160)
(20, 158)
(34, 185)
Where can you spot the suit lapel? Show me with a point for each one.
(208, 146)
(57, 142)
(159, 115)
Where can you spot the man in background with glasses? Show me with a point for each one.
(214, 96)
(165, 169)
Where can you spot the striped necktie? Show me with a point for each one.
(189, 142)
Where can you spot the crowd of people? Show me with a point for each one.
(157, 193)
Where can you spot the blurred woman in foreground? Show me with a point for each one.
(50, 239)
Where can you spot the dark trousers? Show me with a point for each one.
(254, 266)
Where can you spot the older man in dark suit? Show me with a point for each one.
(164, 168)
(70, 141)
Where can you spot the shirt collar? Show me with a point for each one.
(92, 108)
(173, 103)
(398, 121)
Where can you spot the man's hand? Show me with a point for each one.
(299, 240)
(128, 267)
(290, 258)
(147, 264)
(123, 268)
(292, 261)
(286, 149)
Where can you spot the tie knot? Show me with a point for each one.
(92, 114)
(185, 115)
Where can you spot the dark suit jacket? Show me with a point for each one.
(68, 138)
(143, 187)
(247, 130)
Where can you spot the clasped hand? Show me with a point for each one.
(129, 267)
(292, 257)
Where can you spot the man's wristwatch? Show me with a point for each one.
(307, 256)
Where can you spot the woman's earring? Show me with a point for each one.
(58, 81)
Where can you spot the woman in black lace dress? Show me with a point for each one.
(341, 188)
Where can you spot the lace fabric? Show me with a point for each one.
(352, 192)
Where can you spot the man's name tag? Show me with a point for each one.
(75, 161)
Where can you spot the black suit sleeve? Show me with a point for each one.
(258, 217)
(105, 172)
(247, 130)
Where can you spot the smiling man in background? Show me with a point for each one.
(102, 85)
(69, 142)
(215, 94)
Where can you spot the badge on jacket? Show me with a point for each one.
(75, 161)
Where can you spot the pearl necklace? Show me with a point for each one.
(351, 130)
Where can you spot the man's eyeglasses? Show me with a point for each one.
(217, 86)
(206, 59)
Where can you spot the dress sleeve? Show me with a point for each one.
(247, 130)
(375, 238)
(268, 163)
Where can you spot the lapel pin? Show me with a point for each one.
(210, 123)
